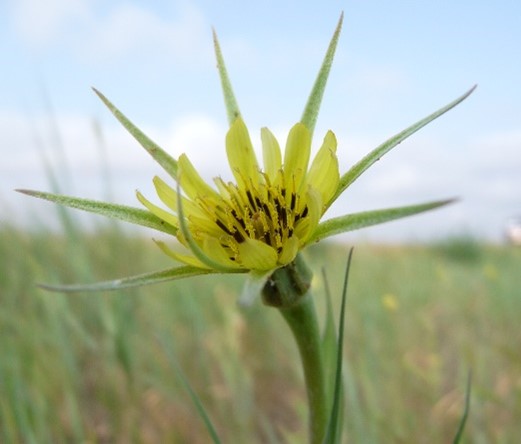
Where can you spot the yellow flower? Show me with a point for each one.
(262, 220)
(259, 223)
(390, 302)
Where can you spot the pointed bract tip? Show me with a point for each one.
(96, 91)
(28, 192)
(470, 91)
(340, 23)
(100, 95)
(214, 37)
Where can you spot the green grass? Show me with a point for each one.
(100, 368)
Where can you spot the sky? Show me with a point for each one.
(396, 62)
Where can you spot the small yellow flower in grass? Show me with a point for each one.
(390, 302)
(261, 221)
(490, 272)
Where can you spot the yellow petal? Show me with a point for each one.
(213, 248)
(296, 155)
(307, 225)
(169, 197)
(289, 250)
(222, 187)
(270, 154)
(194, 213)
(184, 258)
(191, 242)
(191, 182)
(323, 174)
(256, 255)
(241, 156)
(159, 212)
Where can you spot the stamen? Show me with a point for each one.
(223, 227)
(238, 237)
(250, 199)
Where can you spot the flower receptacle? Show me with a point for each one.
(287, 285)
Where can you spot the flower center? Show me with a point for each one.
(268, 213)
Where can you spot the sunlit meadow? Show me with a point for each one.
(101, 368)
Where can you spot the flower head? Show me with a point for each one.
(262, 220)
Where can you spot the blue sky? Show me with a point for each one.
(396, 62)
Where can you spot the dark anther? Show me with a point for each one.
(222, 226)
(284, 217)
(293, 201)
(238, 236)
(238, 219)
(250, 198)
(266, 210)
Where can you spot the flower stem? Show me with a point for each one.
(302, 320)
(288, 290)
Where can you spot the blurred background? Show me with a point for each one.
(104, 368)
(396, 62)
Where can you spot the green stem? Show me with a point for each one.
(302, 320)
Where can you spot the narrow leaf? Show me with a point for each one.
(329, 335)
(232, 108)
(310, 114)
(125, 213)
(199, 406)
(356, 170)
(193, 395)
(351, 222)
(333, 424)
(140, 280)
(167, 162)
(463, 420)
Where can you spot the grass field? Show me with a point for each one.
(100, 368)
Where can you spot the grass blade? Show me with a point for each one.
(463, 420)
(167, 162)
(140, 280)
(125, 213)
(356, 170)
(310, 114)
(333, 425)
(193, 395)
(329, 337)
(351, 222)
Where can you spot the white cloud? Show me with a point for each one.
(129, 28)
(202, 139)
(41, 22)
(101, 34)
